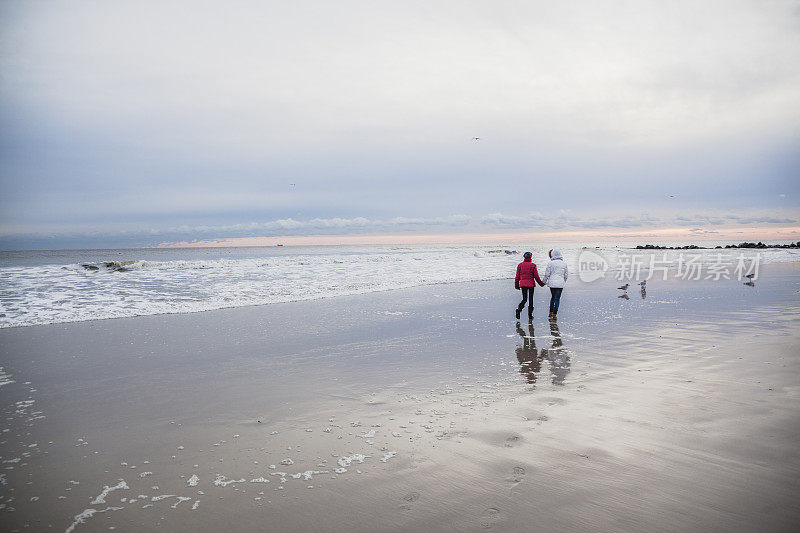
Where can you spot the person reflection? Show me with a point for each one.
(557, 355)
(529, 361)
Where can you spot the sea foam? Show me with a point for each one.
(71, 292)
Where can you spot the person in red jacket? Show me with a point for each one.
(526, 279)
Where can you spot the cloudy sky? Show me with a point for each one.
(139, 123)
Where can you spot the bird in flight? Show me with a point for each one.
(476, 138)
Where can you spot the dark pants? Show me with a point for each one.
(527, 296)
(555, 299)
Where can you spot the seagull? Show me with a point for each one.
(750, 276)
(476, 138)
(643, 284)
(624, 287)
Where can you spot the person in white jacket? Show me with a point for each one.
(555, 276)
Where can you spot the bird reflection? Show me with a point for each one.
(557, 355)
(624, 296)
(529, 361)
(644, 293)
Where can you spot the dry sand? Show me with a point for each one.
(679, 411)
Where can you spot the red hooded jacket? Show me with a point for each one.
(526, 274)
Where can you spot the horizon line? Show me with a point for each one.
(671, 234)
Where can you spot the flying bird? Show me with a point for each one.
(624, 287)
(476, 138)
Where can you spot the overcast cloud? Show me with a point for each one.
(132, 123)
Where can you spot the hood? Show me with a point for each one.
(556, 254)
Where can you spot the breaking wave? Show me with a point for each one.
(111, 289)
(77, 291)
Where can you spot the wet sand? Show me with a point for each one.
(425, 409)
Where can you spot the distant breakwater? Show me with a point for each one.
(758, 245)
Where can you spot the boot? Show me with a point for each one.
(518, 311)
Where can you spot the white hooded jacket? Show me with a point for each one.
(556, 274)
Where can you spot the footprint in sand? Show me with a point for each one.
(556, 401)
(411, 497)
(516, 479)
(491, 517)
(512, 441)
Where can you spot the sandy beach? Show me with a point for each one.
(258, 265)
(422, 409)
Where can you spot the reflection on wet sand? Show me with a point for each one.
(557, 355)
(644, 293)
(530, 359)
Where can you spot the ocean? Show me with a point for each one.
(55, 286)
